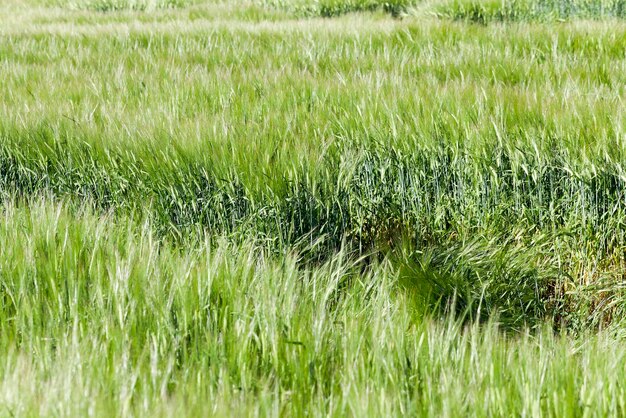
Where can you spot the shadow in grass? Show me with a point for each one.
(508, 278)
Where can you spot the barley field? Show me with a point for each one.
(344, 208)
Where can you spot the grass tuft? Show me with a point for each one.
(333, 8)
(127, 5)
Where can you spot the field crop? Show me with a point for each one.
(312, 208)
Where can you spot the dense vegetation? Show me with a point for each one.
(334, 207)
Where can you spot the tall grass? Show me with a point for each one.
(333, 8)
(209, 213)
(122, 5)
(423, 200)
(101, 317)
(533, 10)
(254, 152)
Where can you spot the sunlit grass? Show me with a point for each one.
(310, 208)
(101, 317)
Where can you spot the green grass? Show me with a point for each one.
(292, 209)
(101, 317)
(134, 5)
(332, 8)
(533, 10)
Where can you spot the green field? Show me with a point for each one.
(312, 208)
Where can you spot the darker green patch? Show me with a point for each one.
(484, 12)
(334, 8)
(508, 277)
(484, 228)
